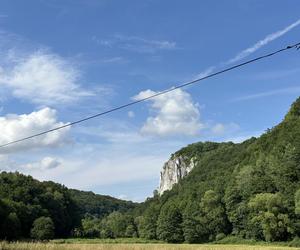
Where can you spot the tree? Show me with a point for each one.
(11, 226)
(269, 218)
(169, 225)
(148, 223)
(117, 225)
(43, 229)
(131, 231)
(213, 214)
(297, 212)
(90, 227)
(116, 222)
(297, 202)
(236, 210)
(193, 230)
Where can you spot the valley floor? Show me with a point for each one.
(137, 246)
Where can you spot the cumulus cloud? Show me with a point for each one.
(44, 164)
(14, 127)
(174, 114)
(41, 78)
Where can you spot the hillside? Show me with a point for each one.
(210, 191)
(250, 189)
(24, 199)
(247, 190)
(99, 205)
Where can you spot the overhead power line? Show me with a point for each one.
(297, 46)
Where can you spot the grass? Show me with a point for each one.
(100, 245)
(105, 241)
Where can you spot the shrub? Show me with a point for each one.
(220, 236)
(43, 229)
(295, 242)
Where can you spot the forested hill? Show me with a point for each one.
(247, 190)
(99, 205)
(23, 200)
(250, 190)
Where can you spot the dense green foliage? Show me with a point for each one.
(249, 190)
(169, 223)
(148, 222)
(23, 200)
(98, 205)
(42, 229)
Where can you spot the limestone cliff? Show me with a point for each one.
(174, 170)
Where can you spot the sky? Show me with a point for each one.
(63, 60)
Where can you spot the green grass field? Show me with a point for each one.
(94, 245)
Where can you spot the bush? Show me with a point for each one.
(230, 239)
(43, 229)
(220, 236)
(295, 242)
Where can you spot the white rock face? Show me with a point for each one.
(174, 170)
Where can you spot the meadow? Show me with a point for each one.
(131, 246)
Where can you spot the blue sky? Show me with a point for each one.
(64, 60)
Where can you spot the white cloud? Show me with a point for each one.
(221, 129)
(137, 44)
(175, 114)
(49, 163)
(117, 59)
(7, 164)
(244, 136)
(113, 131)
(131, 114)
(109, 164)
(205, 73)
(113, 170)
(269, 38)
(44, 164)
(289, 90)
(123, 197)
(41, 78)
(14, 127)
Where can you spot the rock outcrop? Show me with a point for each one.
(174, 170)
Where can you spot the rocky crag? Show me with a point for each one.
(174, 170)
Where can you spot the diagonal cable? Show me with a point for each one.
(297, 46)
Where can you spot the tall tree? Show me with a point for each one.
(169, 225)
(12, 226)
(148, 223)
(194, 230)
(213, 214)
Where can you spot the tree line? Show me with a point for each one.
(44, 210)
(249, 190)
